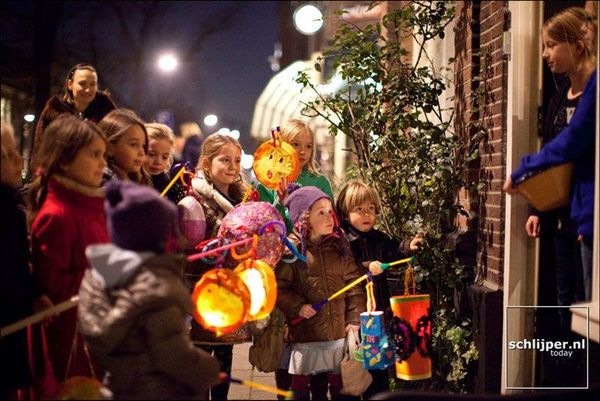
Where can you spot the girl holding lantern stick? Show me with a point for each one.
(318, 341)
(219, 187)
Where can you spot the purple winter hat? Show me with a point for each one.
(138, 218)
(301, 199)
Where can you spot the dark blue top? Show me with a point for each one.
(576, 143)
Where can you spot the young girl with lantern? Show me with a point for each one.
(218, 187)
(298, 134)
(317, 342)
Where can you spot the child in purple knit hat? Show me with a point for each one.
(317, 342)
(133, 303)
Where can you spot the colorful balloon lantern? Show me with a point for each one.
(192, 222)
(248, 219)
(275, 160)
(79, 388)
(261, 282)
(221, 301)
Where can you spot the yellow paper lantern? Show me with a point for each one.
(275, 160)
(221, 300)
(261, 282)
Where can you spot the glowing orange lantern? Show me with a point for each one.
(274, 160)
(261, 282)
(79, 388)
(221, 300)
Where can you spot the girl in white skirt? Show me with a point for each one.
(318, 340)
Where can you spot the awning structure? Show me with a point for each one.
(283, 98)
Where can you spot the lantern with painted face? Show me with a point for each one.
(221, 301)
(261, 282)
(275, 160)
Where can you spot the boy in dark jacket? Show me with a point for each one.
(357, 207)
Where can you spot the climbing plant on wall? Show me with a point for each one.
(404, 145)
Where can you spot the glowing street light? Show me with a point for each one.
(210, 120)
(308, 19)
(167, 63)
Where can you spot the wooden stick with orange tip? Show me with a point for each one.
(259, 386)
(317, 307)
(173, 181)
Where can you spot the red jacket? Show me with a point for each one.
(71, 218)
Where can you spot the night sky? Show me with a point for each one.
(224, 77)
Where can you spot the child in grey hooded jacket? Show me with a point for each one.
(133, 303)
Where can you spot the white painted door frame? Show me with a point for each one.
(524, 88)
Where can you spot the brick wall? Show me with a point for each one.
(479, 62)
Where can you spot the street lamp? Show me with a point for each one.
(308, 19)
(167, 63)
(210, 120)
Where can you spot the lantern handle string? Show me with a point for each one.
(320, 304)
(248, 254)
(409, 276)
(371, 302)
(219, 249)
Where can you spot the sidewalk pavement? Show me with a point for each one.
(242, 369)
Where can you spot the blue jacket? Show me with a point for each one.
(575, 143)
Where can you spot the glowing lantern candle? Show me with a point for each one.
(221, 300)
(275, 160)
(261, 282)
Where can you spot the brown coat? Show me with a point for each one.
(136, 330)
(329, 267)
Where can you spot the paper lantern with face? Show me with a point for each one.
(261, 282)
(275, 160)
(221, 301)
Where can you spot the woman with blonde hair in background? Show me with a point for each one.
(575, 143)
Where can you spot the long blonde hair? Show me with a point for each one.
(211, 147)
(294, 127)
(114, 125)
(62, 141)
(565, 26)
